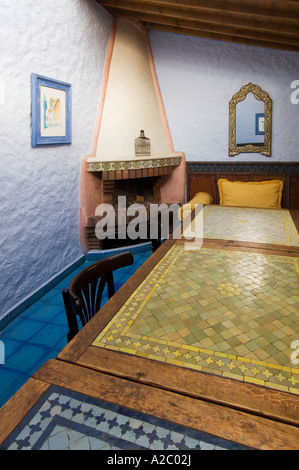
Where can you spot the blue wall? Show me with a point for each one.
(198, 78)
(40, 187)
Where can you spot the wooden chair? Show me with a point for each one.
(83, 296)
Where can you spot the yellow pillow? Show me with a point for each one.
(199, 198)
(251, 194)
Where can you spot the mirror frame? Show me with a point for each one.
(240, 96)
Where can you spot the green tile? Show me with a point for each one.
(238, 321)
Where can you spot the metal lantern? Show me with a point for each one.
(142, 145)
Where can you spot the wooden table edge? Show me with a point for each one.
(232, 393)
(17, 407)
(249, 430)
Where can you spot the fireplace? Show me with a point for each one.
(130, 100)
(138, 185)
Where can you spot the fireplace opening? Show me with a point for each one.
(137, 191)
(126, 192)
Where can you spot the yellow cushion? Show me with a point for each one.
(199, 198)
(251, 194)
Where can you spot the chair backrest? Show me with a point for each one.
(83, 297)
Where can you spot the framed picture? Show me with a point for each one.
(260, 124)
(51, 110)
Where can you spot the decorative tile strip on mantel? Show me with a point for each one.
(133, 164)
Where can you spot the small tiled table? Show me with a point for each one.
(244, 224)
(66, 407)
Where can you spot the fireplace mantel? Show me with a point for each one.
(94, 164)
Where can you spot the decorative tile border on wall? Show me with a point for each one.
(276, 168)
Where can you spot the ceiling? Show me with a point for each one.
(264, 23)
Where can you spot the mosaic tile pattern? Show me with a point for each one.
(64, 420)
(133, 164)
(229, 313)
(260, 168)
(250, 225)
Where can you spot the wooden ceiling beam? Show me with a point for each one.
(216, 36)
(223, 29)
(259, 8)
(275, 26)
(270, 23)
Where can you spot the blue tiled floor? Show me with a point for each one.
(39, 333)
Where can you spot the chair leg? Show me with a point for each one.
(156, 244)
(110, 285)
(71, 317)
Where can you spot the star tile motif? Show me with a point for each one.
(65, 420)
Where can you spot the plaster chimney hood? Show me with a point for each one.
(130, 101)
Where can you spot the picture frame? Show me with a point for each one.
(51, 111)
(260, 124)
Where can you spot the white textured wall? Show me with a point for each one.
(39, 187)
(198, 78)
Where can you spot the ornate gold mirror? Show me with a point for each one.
(250, 121)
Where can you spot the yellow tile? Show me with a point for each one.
(207, 342)
(281, 388)
(255, 381)
(229, 375)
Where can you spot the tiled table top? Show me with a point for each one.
(250, 225)
(228, 313)
(66, 420)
